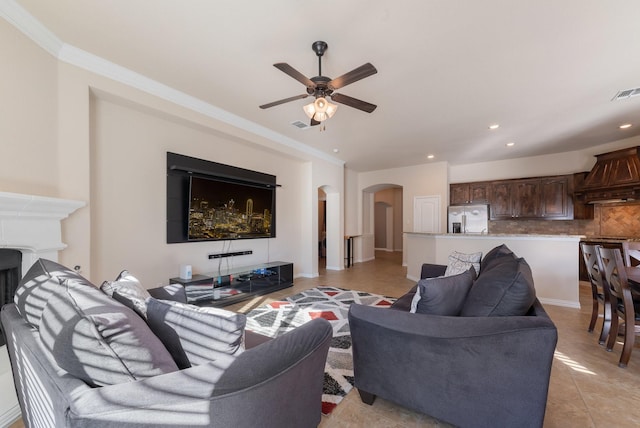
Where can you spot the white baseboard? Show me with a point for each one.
(335, 267)
(10, 416)
(556, 302)
(307, 275)
(413, 278)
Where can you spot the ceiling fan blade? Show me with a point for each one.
(286, 68)
(286, 100)
(353, 102)
(354, 75)
(314, 122)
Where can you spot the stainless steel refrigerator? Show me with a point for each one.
(468, 218)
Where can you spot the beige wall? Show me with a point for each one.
(128, 176)
(536, 166)
(28, 116)
(421, 180)
(75, 134)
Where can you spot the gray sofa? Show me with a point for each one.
(82, 359)
(480, 368)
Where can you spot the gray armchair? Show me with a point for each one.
(276, 383)
(480, 371)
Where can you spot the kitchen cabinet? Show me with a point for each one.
(469, 193)
(540, 198)
(500, 202)
(515, 199)
(555, 198)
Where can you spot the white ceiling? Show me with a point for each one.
(545, 70)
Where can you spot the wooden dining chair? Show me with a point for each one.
(622, 297)
(631, 253)
(599, 292)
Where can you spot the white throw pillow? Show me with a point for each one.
(461, 262)
(129, 291)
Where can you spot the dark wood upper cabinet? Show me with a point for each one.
(469, 193)
(479, 193)
(541, 198)
(500, 203)
(458, 194)
(555, 200)
(525, 199)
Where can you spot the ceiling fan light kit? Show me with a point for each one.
(320, 110)
(321, 87)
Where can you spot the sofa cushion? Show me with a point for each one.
(196, 335)
(128, 290)
(493, 256)
(37, 286)
(443, 295)
(461, 262)
(95, 338)
(504, 288)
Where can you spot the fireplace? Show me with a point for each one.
(30, 228)
(10, 274)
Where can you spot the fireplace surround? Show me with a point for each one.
(31, 226)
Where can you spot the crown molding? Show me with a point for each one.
(17, 16)
(43, 37)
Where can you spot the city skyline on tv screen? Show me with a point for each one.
(220, 210)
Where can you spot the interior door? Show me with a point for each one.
(426, 214)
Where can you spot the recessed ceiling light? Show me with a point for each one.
(430, 156)
(510, 144)
(494, 126)
(625, 126)
(336, 151)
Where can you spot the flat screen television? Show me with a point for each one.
(221, 209)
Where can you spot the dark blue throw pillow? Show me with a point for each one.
(503, 289)
(493, 257)
(444, 295)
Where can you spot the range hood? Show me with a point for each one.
(614, 178)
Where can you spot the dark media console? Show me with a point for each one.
(229, 286)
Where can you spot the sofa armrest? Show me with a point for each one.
(175, 292)
(430, 270)
(289, 367)
(469, 371)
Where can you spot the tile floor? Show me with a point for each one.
(587, 388)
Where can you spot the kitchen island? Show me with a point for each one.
(553, 258)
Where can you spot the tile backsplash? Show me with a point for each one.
(615, 220)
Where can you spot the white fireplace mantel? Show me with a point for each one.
(31, 224)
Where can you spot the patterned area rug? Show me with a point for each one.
(332, 304)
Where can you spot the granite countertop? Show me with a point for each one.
(498, 235)
(610, 239)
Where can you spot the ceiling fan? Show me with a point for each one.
(321, 87)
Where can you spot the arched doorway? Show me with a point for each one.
(382, 219)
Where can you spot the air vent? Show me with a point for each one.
(301, 125)
(627, 93)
